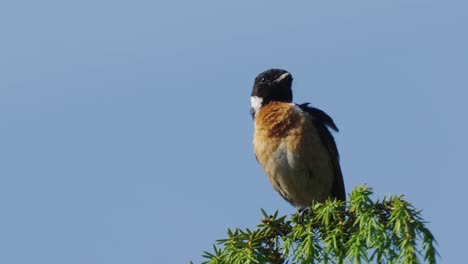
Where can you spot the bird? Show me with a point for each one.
(293, 143)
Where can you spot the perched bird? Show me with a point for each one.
(293, 143)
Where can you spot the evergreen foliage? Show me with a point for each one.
(358, 231)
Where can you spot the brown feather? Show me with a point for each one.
(289, 148)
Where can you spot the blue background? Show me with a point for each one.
(125, 134)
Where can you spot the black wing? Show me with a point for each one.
(323, 121)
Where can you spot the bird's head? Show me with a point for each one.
(273, 85)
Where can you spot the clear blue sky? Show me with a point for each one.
(125, 127)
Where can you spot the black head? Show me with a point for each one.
(273, 85)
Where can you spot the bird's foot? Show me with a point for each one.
(302, 212)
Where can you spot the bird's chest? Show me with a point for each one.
(278, 137)
(292, 155)
(278, 155)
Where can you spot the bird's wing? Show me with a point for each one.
(323, 121)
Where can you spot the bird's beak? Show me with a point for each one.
(282, 76)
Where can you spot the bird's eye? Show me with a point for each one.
(262, 80)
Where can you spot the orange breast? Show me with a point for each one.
(289, 149)
(273, 124)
